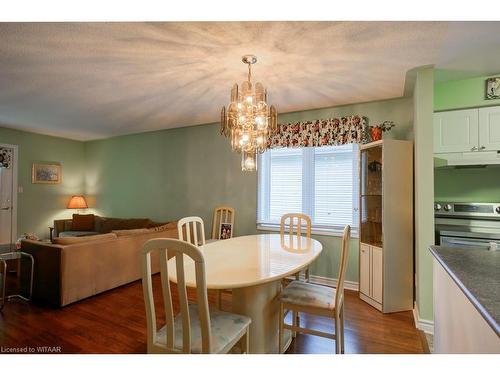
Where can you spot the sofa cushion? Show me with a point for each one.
(79, 233)
(82, 222)
(109, 224)
(74, 240)
(160, 228)
(130, 232)
(166, 226)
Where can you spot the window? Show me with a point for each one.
(321, 182)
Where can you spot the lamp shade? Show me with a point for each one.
(77, 202)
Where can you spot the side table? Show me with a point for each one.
(4, 257)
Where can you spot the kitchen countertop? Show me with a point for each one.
(477, 273)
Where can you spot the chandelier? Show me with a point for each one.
(249, 120)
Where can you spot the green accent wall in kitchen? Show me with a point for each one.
(424, 191)
(173, 173)
(463, 93)
(39, 204)
(467, 184)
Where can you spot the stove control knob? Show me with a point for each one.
(497, 209)
(437, 206)
(447, 207)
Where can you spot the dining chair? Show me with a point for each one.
(222, 215)
(195, 329)
(296, 222)
(191, 229)
(318, 300)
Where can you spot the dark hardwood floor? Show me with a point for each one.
(114, 322)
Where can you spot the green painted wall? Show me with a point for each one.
(40, 204)
(463, 93)
(169, 174)
(424, 190)
(467, 185)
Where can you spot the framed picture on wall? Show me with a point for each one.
(493, 88)
(46, 173)
(225, 230)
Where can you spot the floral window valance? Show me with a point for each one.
(330, 132)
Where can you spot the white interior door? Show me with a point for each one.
(489, 128)
(6, 196)
(456, 131)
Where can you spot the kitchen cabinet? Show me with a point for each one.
(489, 128)
(456, 131)
(364, 270)
(459, 328)
(468, 130)
(376, 253)
(370, 272)
(386, 225)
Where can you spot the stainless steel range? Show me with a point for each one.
(474, 225)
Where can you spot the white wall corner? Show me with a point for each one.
(423, 324)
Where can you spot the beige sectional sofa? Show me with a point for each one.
(80, 267)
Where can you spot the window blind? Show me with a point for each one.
(321, 182)
(285, 182)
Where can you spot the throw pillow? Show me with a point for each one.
(82, 222)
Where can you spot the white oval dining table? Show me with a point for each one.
(253, 267)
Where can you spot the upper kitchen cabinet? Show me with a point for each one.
(489, 128)
(456, 131)
(467, 130)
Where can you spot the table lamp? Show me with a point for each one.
(78, 202)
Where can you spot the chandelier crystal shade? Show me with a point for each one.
(249, 120)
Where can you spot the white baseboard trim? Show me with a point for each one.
(351, 285)
(425, 325)
(328, 281)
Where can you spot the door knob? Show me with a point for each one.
(482, 147)
(474, 148)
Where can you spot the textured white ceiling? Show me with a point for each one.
(95, 80)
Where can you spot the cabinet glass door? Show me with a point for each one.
(371, 196)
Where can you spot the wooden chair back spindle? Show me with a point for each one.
(302, 220)
(192, 229)
(223, 214)
(339, 295)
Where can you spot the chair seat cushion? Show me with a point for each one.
(226, 329)
(310, 295)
